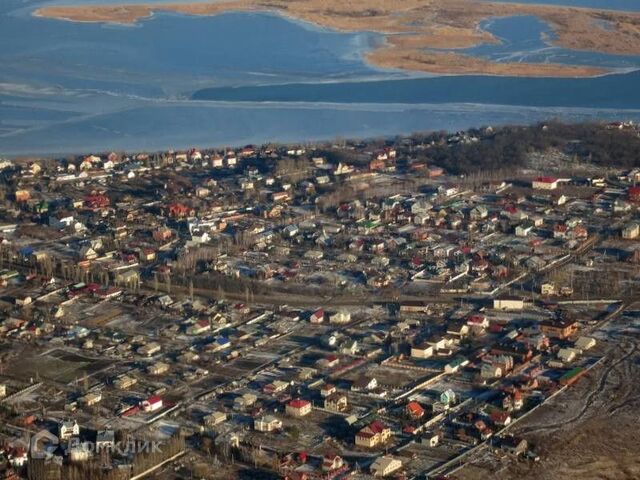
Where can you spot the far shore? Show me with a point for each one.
(424, 25)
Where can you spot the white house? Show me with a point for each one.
(585, 343)
(267, 423)
(422, 351)
(152, 404)
(567, 354)
(61, 220)
(68, 429)
(340, 318)
(385, 466)
(545, 183)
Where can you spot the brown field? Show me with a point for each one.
(589, 432)
(411, 26)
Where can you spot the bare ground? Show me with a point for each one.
(590, 432)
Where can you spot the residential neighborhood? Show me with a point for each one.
(304, 311)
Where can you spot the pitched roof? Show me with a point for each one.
(298, 403)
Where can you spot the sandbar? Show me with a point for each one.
(413, 27)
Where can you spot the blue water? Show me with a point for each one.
(619, 92)
(526, 39)
(178, 81)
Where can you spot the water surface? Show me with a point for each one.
(179, 81)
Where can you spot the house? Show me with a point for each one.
(298, 408)
(500, 418)
(545, 183)
(157, 368)
(277, 386)
(523, 230)
(220, 343)
(512, 401)
(217, 161)
(448, 397)
(91, 398)
(620, 206)
(547, 289)
(179, 210)
(291, 231)
(267, 423)
(198, 328)
(280, 197)
(458, 329)
(479, 212)
(22, 195)
(631, 231)
(585, 343)
(87, 253)
(61, 220)
(560, 231)
(431, 438)
(455, 365)
(147, 254)
(561, 329)
(477, 321)
(17, 457)
(414, 410)
(513, 445)
(364, 383)
(421, 218)
(162, 234)
(508, 303)
(328, 361)
(314, 255)
(105, 440)
(149, 349)
(567, 355)
(340, 318)
(336, 402)
(317, 316)
(421, 207)
(559, 200)
(68, 429)
(423, 350)
(124, 382)
(439, 342)
(372, 435)
(633, 194)
(385, 466)
(231, 159)
(79, 452)
(331, 463)
(96, 202)
(152, 403)
(244, 401)
(214, 418)
(416, 306)
(489, 371)
(327, 389)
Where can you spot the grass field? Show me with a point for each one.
(57, 366)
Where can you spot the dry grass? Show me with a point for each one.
(422, 23)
